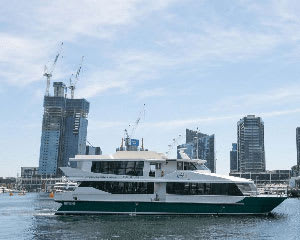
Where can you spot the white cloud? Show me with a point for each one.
(155, 92)
(272, 97)
(68, 20)
(279, 113)
(206, 43)
(281, 17)
(129, 69)
(171, 124)
(40, 26)
(18, 59)
(215, 44)
(85, 17)
(94, 125)
(213, 119)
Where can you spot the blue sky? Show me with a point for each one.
(194, 64)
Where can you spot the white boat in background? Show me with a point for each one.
(64, 186)
(4, 190)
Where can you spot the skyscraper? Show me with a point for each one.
(200, 145)
(250, 144)
(64, 130)
(233, 158)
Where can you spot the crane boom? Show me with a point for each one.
(137, 121)
(172, 145)
(48, 72)
(72, 85)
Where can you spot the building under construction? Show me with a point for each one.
(64, 130)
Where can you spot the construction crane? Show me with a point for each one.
(133, 127)
(48, 71)
(174, 142)
(89, 143)
(137, 121)
(72, 85)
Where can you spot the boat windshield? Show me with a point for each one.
(190, 166)
(201, 167)
(247, 188)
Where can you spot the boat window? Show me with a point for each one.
(203, 189)
(179, 165)
(131, 168)
(121, 187)
(152, 170)
(189, 166)
(247, 188)
(158, 165)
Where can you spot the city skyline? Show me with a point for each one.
(200, 64)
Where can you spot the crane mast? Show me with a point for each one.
(48, 72)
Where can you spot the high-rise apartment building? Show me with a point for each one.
(64, 130)
(199, 145)
(233, 158)
(250, 144)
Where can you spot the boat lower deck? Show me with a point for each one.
(249, 205)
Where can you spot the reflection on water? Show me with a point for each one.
(32, 217)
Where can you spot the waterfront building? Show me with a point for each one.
(64, 130)
(266, 177)
(7, 181)
(28, 172)
(233, 158)
(250, 144)
(90, 150)
(200, 145)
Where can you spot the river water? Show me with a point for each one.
(32, 217)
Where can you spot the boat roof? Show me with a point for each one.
(132, 155)
(123, 155)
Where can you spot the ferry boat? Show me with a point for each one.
(147, 182)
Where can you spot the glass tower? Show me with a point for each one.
(250, 144)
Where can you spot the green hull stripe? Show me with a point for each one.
(249, 205)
